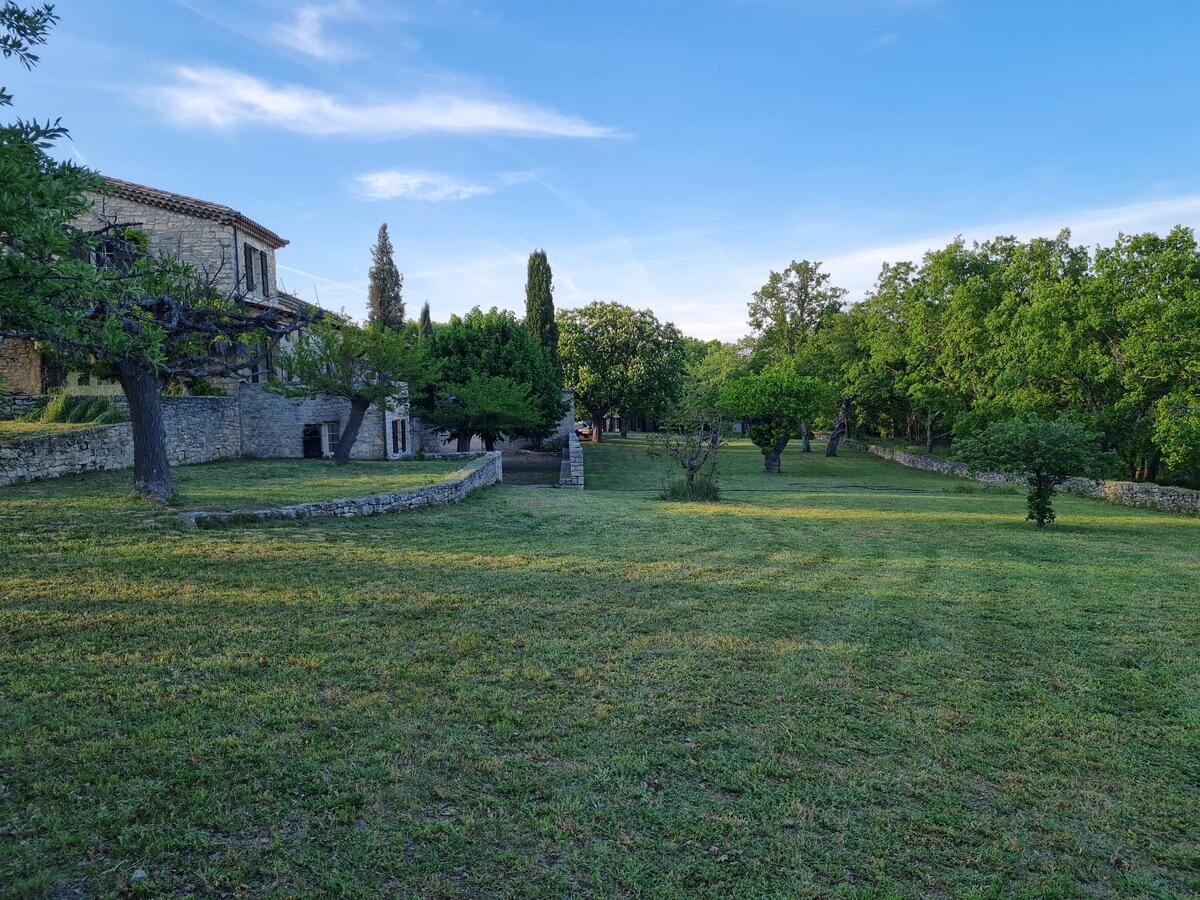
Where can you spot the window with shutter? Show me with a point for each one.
(248, 256)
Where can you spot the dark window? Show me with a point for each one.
(312, 441)
(399, 436)
(248, 254)
(262, 259)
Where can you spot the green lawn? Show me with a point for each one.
(847, 680)
(12, 430)
(262, 484)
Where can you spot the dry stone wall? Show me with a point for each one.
(480, 472)
(1122, 493)
(199, 429)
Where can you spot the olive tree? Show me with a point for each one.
(774, 403)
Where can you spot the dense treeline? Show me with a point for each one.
(975, 334)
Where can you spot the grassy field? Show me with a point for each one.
(850, 680)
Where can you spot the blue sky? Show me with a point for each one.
(665, 154)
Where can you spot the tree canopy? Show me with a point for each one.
(539, 303)
(616, 358)
(371, 365)
(1045, 452)
(490, 360)
(774, 403)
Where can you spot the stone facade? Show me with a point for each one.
(273, 426)
(482, 471)
(1122, 493)
(571, 472)
(20, 367)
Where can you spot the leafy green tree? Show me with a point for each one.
(791, 306)
(385, 300)
(1045, 452)
(774, 403)
(491, 406)
(495, 346)
(366, 366)
(787, 312)
(539, 303)
(616, 359)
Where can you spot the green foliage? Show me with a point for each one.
(491, 406)
(774, 404)
(66, 408)
(619, 359)
(492, 358)
(791, 307)
(1045, 452)
(539, 303)
(371, 364)
(385, 300)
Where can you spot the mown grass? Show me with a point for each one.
(841, 681)
(13, 430)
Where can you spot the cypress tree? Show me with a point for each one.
(425, 324)
(385, 303)
(539, 303)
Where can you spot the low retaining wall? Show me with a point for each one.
(1122, 493)
(199, 429)
(486, 469)
(66, 453)
(570, 474)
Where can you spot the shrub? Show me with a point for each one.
(700, 490)
(1045, 452)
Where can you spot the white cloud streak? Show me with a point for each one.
(305, 32)
(212, 97)
(432, 187)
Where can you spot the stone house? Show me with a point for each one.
(237, 255)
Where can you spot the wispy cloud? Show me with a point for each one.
(429, 186)
(212, 97)
(305, 32)
(432, 187)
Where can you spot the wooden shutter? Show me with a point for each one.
(248, 256)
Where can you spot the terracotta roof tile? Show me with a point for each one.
(203, 209)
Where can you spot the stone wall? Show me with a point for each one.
(66, 453)
(204, 243)
(1122, 493)
(571, 472)
(273, 426)
(199, 429)
(484, 470)
(16, 405)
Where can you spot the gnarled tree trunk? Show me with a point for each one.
(358, 409)
(464, 442)
(489, 443)
(624, 426)
(804, 438)
(143, 390)
(839, 430)
(771, 458)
